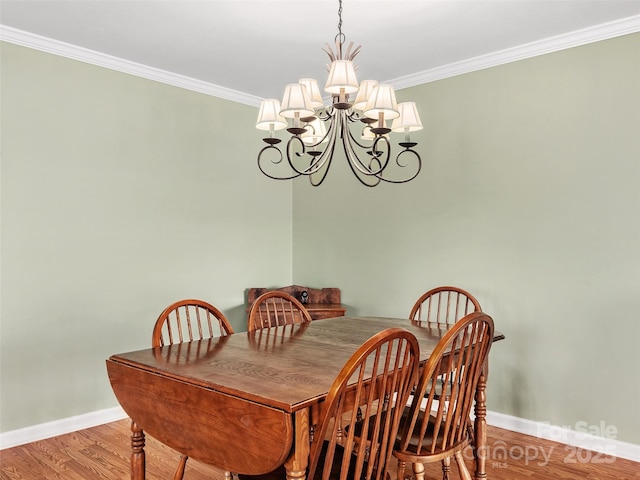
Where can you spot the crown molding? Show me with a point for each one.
(37, 42)
(593, 34)
(553, 44)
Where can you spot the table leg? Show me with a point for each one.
(480, 427)
(137, 452)
(296, 464)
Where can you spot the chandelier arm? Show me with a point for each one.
(322, 176)
(327, 114)
(359, 169)
(267, 148)
(355, 119)
(326, 135)
(419, 160)
(317, 163)
(357, 163)
(374, 148)
(323, 163)
(379, 173)
(295, 139)
(326, 156)
(363, 177)
(407, 150)
(354, 116)
(371, 148)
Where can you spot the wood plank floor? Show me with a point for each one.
(103, 453)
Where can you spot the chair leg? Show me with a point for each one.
(446, 467)
(400, 472)
(418, 471)
(180, 470)
(462, 468)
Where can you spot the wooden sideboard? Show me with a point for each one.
(320, 302)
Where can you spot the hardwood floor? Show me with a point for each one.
(103, 453)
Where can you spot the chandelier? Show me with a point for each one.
(358, 124)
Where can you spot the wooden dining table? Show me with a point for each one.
(247, 402)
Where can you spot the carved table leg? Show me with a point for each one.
(480, 434)
(296, 464)
(137, 452)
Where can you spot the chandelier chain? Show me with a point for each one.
(340, 37)
(340, 18)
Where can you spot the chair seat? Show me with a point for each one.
(413, 443)
(413, 447)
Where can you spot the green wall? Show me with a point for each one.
(119, 196)
(530, 199)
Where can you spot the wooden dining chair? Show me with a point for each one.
(436, 428)
(444, 305)
(381, 372)
(186, 321)
(276, 308)
(189, 320)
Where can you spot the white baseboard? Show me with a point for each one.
(583, 442)
(41, 431)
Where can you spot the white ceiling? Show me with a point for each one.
(256, 47)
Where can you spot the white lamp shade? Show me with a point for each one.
(313, 90)
(382, 100)
(296, 100)
(315, 132)
(269, 116)
(409, 120)
(366, 88)
(342, 75)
